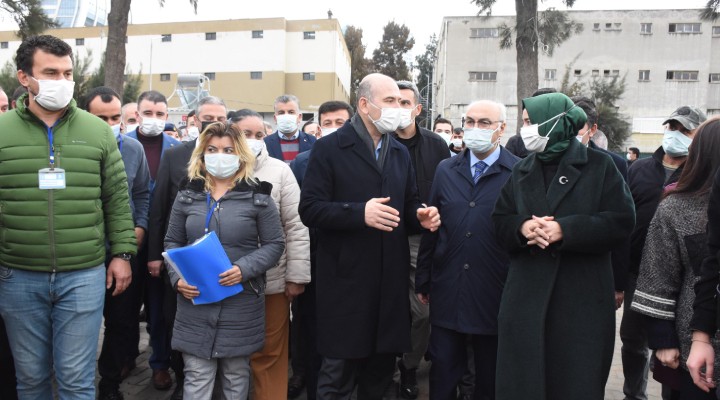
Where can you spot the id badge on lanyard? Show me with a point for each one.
(51, 178)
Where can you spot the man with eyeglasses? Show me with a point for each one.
(462, 267)
(426, 151)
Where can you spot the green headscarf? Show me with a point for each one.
(546, 106)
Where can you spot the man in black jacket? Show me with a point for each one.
(620, 255)
(647, 179)
(171, 172)
(426, 151)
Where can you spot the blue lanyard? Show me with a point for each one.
(212, 206)
(52, 147)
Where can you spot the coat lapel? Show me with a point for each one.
(350, 138)
(462, 166)
(531, 178)
(567, 175)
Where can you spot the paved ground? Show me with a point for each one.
(139, 387)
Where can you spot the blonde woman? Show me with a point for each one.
(222, 196)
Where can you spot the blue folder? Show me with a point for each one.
(200, 265)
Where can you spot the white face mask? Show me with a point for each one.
(479, 140)
(405, 118)
(116, 130)
(457, 143)
(256, 146)
(131, 128)
(628, 156)
(193, 132)
(327, 131)
(389, 119)
(531, 135)
(152, 126)
(54, 94)
(287, 123)
(222, 165)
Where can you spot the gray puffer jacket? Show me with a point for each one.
(247, 223)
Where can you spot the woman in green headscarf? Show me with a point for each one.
(562, 211)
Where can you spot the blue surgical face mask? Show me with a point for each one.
(675, 143)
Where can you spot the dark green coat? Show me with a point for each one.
(557, 313)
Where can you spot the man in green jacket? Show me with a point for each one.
(64, 191)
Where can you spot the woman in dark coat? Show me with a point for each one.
(222, 196)
(560, 214)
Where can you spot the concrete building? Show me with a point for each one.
(669, 58)
(248, 62)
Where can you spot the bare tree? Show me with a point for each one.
(29, 16)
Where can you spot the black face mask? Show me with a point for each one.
(205, 124)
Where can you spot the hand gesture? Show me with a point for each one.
(119, 271)
(669, 357)
(429, 218)
(189, 292)
(233, 276)
(380, 216)
(702, 355)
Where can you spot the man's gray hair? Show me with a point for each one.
(600, 139)
(124, 108)
(407, 85)
(213, 100)
(500, 106)
(284, 99)
(364, 89)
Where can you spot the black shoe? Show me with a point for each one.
(177, 394)
(408, 388)
(296, 384)
(111, 395)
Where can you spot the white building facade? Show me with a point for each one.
(669, 58)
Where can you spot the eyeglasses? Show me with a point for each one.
(483, 123)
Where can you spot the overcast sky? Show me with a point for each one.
(423, 18)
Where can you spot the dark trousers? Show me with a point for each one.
(634, 351)
(337, 378)
(303, 340)
(8, 383)
(169, 311)
(448, 354)
(120, 345)
(154, 294)
(688, 390)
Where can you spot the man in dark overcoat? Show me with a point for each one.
(359, 193)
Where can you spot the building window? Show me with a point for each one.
(682, 75)
(615, 72)
(646, 28)
(617, 26)
(166, 37)
(644, 75)
(483, 76)
(716, 31)
(3, 45)
(596, 26)
(578, 72)
(255, 75)
(608, 25)
(685, 28)
(308, 76)
(80, 42)
(714, 78)
(550, 74)
(596, 72)
(484, 32)
(126, 39)
(309, 35)
(164, 77)
(210, 35)
(257, 34)
(713, 111)
(210, 75)
(606, 73)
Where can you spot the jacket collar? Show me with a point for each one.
(347, 136)
(24, 111)
(461, 162)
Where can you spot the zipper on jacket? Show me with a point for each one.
(51, 208)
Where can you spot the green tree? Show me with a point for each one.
(424, 65)
(81, 74)
(133, 84)
(710, 12)
(117, 32)
(359, 65)
(8, 78)
(605, 93)
(388, 58)
(533, 32)
(29, 16)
